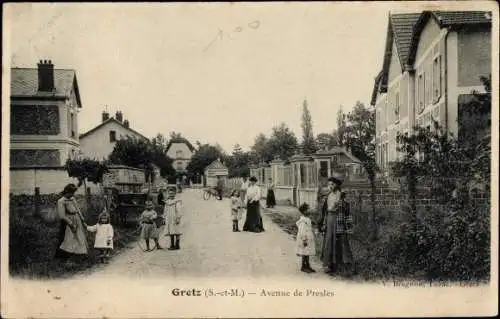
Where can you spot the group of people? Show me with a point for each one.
(72, 242)
(169, 220)
(334, 222)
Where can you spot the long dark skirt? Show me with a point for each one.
(336, 249)
(61, 254)
(270, 198)
(253, 222)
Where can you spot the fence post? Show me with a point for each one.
(37, 201)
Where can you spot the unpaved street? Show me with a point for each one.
(210, 248)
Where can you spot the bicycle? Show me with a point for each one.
(210, 192)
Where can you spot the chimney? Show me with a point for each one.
(105, 116)
(119, 116)
(126, 123)
(45, 76)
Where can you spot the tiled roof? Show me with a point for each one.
(448, 18)
(24, 83)
(402, 26)
(217, 164)
(109, 121)
(180, 140)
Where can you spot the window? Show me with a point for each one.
(72, 125)
(112, 136)
(420, 93)
(436, 81)
(179, 154)
(396, 106)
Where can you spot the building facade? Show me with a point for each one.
(433, 61)
(43, 127)
(99, 142)
(180, 152)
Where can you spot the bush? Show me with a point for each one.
(452, 244)
(32, 243)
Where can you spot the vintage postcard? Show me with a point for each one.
(259, 159)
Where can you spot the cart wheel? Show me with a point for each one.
(143, 246)
(206, 195)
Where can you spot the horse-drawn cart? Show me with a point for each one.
(124, 189)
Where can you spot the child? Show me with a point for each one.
(236, 206)
(104, 236)
(306, 245)
(172, 214)
(149, 229)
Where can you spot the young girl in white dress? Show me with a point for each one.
(103, 237)
(306, 245)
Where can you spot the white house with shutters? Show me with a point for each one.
(44, 106)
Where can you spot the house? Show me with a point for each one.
(180, 151)
(44, 106)
(433, 60)
(215, 170)
(100, 141)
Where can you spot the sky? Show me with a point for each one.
(217, 73)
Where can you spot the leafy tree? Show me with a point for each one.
(357, 133)
(238, 162)
(341, 126)
(282, 143)
(202, 158)
(308, 141)
(260, 150)
(142, 154)
(326, 140)
(86, 169)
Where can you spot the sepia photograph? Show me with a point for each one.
(249, 159)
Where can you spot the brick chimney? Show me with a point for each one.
(45, 76)
(105, 116)
(119, 116)
(126, 123)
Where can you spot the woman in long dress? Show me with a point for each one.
(72, 240)
(270, 198)
(253, 222)
(335, 251)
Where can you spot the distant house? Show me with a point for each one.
(215, 170)
(44, 106)
(180, 151)
(100, 141)
(432, 62)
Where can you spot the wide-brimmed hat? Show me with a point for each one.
(103, 214)
(336, 178)
(172, 190)
(149, 204)
(69, 189)
(253, 179)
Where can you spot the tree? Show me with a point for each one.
(326, 141)
(308, 142)
(202, 158)
(260, 150)
(86, 169)
(282, 142)
(341, 126)
(357, 134)
(238, 162)
(142, 154)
